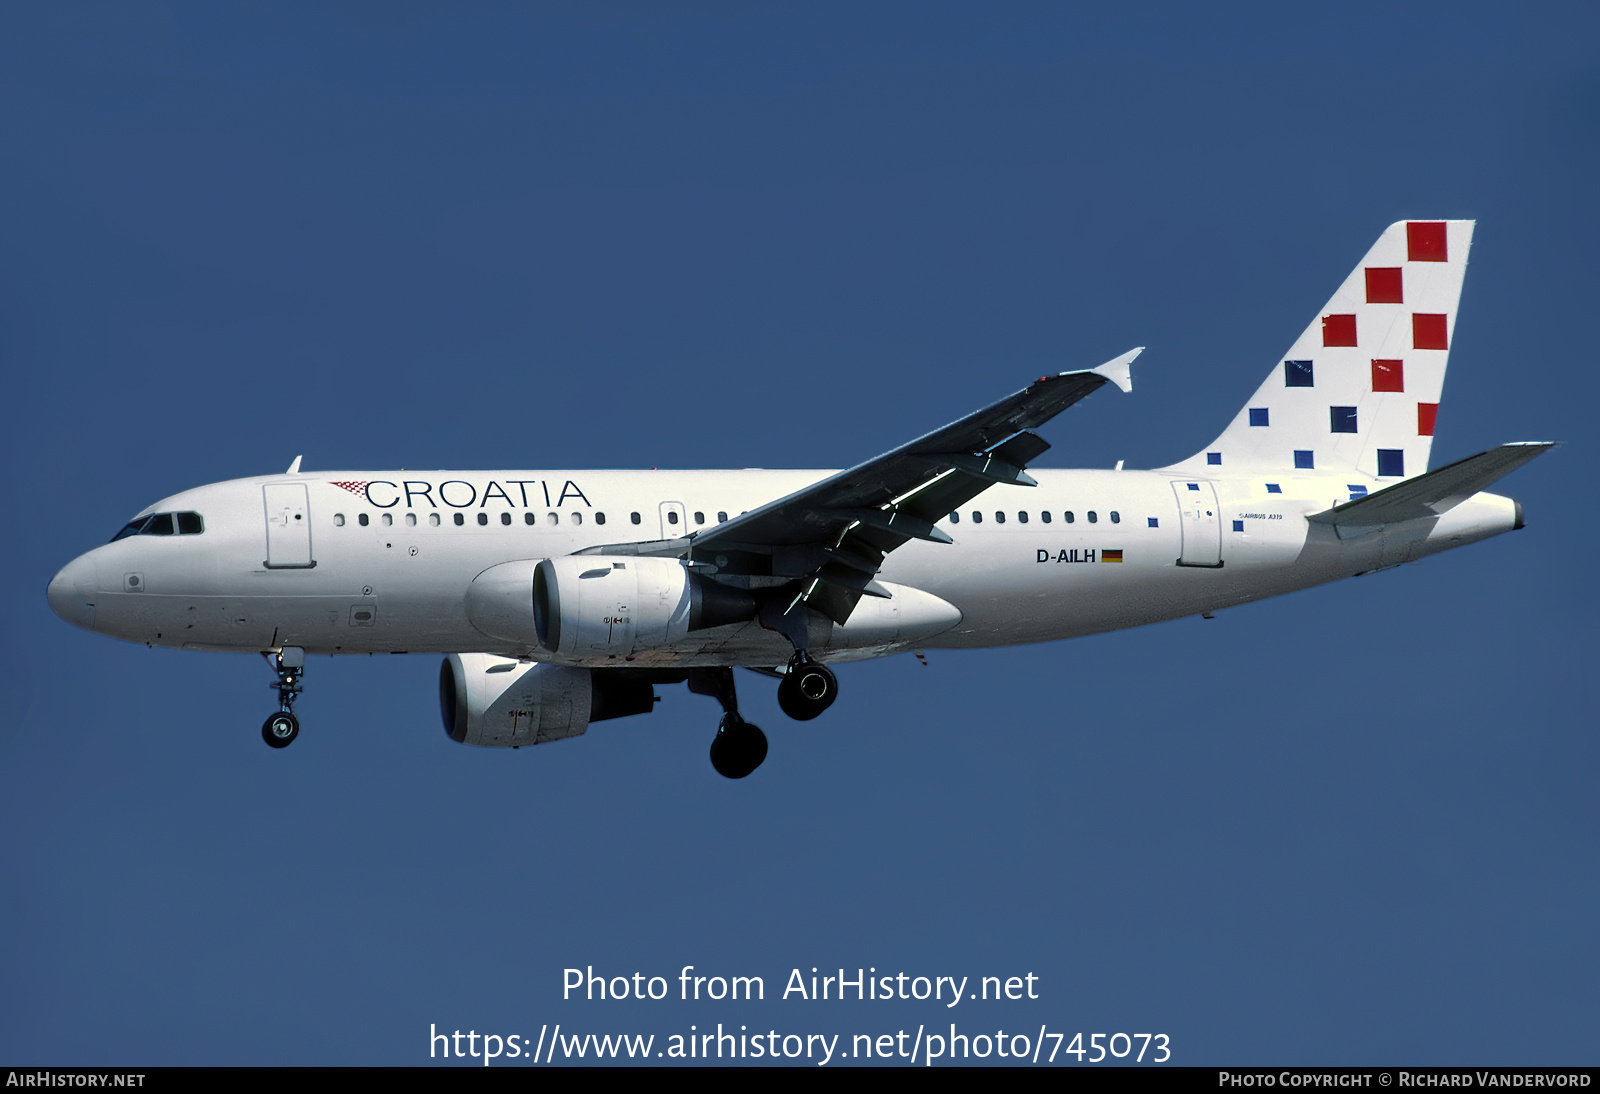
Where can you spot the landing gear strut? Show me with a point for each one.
(280, 729)
(739, 747)
(807, 689)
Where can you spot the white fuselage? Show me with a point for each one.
(383, 564)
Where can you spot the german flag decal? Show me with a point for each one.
(1110, 556)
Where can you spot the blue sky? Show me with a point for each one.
(1353, 825)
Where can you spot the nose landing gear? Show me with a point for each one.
(280, 729)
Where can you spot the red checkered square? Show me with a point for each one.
(1430, 331)
(1383, 285)
(1425, 241)
(1426, 414)
(1388, 375)
(1338, 330)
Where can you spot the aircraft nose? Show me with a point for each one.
(71, 592)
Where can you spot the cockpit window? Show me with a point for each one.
(162, 524)
(130, 529)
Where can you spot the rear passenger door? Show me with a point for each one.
(1201, 523)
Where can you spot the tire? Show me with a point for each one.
(280, 729)
(737, 749)
(807, 690)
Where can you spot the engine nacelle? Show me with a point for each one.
(582, 605)
(495, 701)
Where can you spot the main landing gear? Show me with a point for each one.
(807, 688)
(739, 747)
(280, 729)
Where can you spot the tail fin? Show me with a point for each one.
(1359, 390)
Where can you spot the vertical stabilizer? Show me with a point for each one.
(1359, 389)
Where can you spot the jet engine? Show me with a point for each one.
(496, 701)
(582, 605)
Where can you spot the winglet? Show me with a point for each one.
(294, 468)
(1116, 369)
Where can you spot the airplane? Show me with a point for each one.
(563, 598)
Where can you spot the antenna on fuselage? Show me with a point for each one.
(294, 468)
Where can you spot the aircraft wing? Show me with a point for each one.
(833, 536)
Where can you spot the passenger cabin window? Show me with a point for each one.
(363, 520)
(999, 517)
(577, 518)
(1094, 518)
(955, 518)
(529, 518)
(1116, 517)
(1045, 516)
(1022, 518)
(386, 520)
(552, 519)
(722, 517)
(460, 520)
(433, 520)
(411, 520)
(977, 517)
(505, 518)
(483, 518)
(1068, 517)
(634, 517)
(599, 518)
(699, 517)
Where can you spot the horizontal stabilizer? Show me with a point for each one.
(1435, 492)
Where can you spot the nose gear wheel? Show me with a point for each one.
(280, 729)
